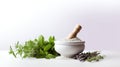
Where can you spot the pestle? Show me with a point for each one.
(75, 31)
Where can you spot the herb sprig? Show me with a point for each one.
(38, 48)
(89, 56)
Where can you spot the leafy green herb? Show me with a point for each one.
(38, 48)
(12, 52)
(89, 56)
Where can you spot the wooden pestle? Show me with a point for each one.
(75, 31)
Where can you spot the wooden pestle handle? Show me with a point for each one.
(74, 33)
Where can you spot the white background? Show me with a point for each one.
(21, 20)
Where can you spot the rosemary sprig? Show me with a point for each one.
(89, 56)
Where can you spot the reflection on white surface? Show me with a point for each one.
(112, 59)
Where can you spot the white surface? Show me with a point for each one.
(21, 20)
(112, 59)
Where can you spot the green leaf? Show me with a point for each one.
(47, 47)
(41, 40)
(20, 50)
(51, 39)
(42, 52)
(35, 40)
(50, 56)
(17, 45)
(25, 55)
(12, 52)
